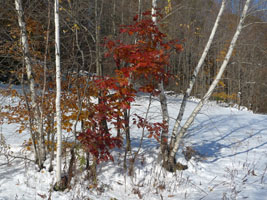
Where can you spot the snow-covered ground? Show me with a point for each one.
(231, 162)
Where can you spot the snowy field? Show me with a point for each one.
(230, 162)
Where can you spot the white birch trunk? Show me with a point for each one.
(193, 79)
(40, 154)
(58, 95)
(163, 98)
(214, 83)
(153, 11)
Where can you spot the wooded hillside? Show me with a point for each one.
(86, 23)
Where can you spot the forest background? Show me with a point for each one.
(85, 25)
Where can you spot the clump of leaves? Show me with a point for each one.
(145, 58)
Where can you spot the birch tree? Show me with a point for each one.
(39, 149)
(163, 99)
(190, 120)
(58, 94)
(193, 79)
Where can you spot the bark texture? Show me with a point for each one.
(163, 99)
(195, 74)
(58, 95)
(39, 150)
(212, 87)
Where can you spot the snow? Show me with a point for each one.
(230, 163)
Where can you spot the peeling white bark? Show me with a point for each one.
(58, 95)
(214, 83)
(40, 154)
(162, 98)
(153, 11)
(193, 79)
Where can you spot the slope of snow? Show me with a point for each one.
(230, 162)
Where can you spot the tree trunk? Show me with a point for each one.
(99, 70)
(193, 115)
(30, 76)
(58, 95)
(195, 74)
(163, 101)
(139, 10)
(52, 141)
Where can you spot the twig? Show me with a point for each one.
(20, 157)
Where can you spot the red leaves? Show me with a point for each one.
(178, 47)
(154, 129)
(148, 56)
(114, 95)
(130, 32)
(110, 44)
(143, 60)
(99, 143)
(147, 13)
(135, 18)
